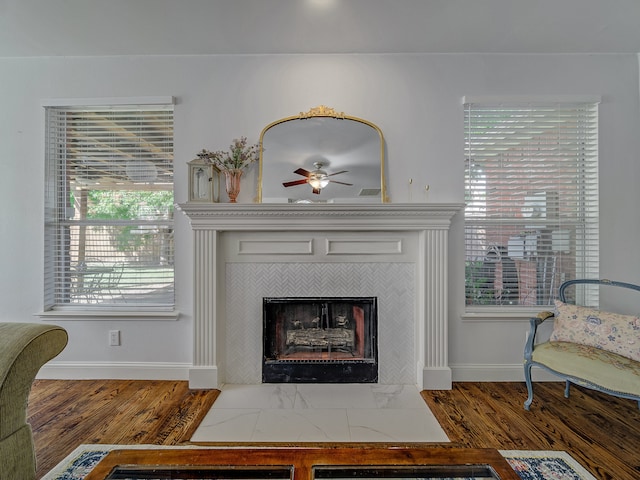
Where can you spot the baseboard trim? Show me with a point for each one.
(114, 371)
(436, 378)
(204, 377)
(186, 371)
(498, 373)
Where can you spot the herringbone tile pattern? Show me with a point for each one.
(247, 284)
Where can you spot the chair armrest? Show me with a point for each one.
(533, 329)
(542, 316)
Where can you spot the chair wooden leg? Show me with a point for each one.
(527, 378)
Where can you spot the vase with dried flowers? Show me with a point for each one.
(233, 163)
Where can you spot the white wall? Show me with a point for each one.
(414, 99)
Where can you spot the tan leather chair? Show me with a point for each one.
(24, 348)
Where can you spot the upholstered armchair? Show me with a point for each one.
(24, 348)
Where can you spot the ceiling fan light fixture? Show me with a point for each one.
(318, 180)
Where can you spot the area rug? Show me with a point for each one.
(528, 464)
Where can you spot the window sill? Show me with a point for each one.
(505, 314)
(109, 315)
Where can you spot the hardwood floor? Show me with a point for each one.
(601, 432)
(64, 414)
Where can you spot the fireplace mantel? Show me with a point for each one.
(430, 222)
(384, 216)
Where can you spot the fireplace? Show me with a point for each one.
(396, 253)
(320, 340)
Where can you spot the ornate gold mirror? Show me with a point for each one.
(321, 156)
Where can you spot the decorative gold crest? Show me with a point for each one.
(322, 111)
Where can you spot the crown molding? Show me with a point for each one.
(262, 216)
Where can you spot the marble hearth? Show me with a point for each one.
(394, 252)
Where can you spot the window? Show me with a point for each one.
(531, 193)
(109, 207)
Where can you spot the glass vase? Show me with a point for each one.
(232, 183)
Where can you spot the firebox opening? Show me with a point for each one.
(320, 340)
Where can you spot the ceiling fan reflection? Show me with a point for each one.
(318, 178)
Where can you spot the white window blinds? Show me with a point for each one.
(531, 192)
(109, 207)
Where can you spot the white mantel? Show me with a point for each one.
(430, 222)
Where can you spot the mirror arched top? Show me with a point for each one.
(343, 156)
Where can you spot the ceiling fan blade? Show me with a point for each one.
(337, 173)
(294, 182)
(342, 183)
(316, 191)
(302, 171)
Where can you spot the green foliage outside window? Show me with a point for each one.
(478, 286)
(129, 205)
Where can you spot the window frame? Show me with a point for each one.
(86, 310)
(496, 312)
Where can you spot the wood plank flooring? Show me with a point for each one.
(601, 432)
(64, 414)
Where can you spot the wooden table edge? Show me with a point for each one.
(303, 458)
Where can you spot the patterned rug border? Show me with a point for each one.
(516, 458)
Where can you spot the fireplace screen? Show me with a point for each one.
(320, 340)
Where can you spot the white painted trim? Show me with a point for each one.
(430, 220)
(363, 246)
(315, 217)
(114, 370)
(498, 373)
(496, 314)
(511, 99)
(207, 377)
(284, 246)
(204, 378)
(96, 314)
(436, 378)
(72, 102)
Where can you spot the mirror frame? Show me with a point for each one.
(324, 111)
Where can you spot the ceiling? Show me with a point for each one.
(203, 27)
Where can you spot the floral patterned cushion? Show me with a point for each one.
(587, 326)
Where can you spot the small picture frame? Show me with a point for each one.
(204, 181)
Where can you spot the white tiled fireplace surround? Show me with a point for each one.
(395, 252)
